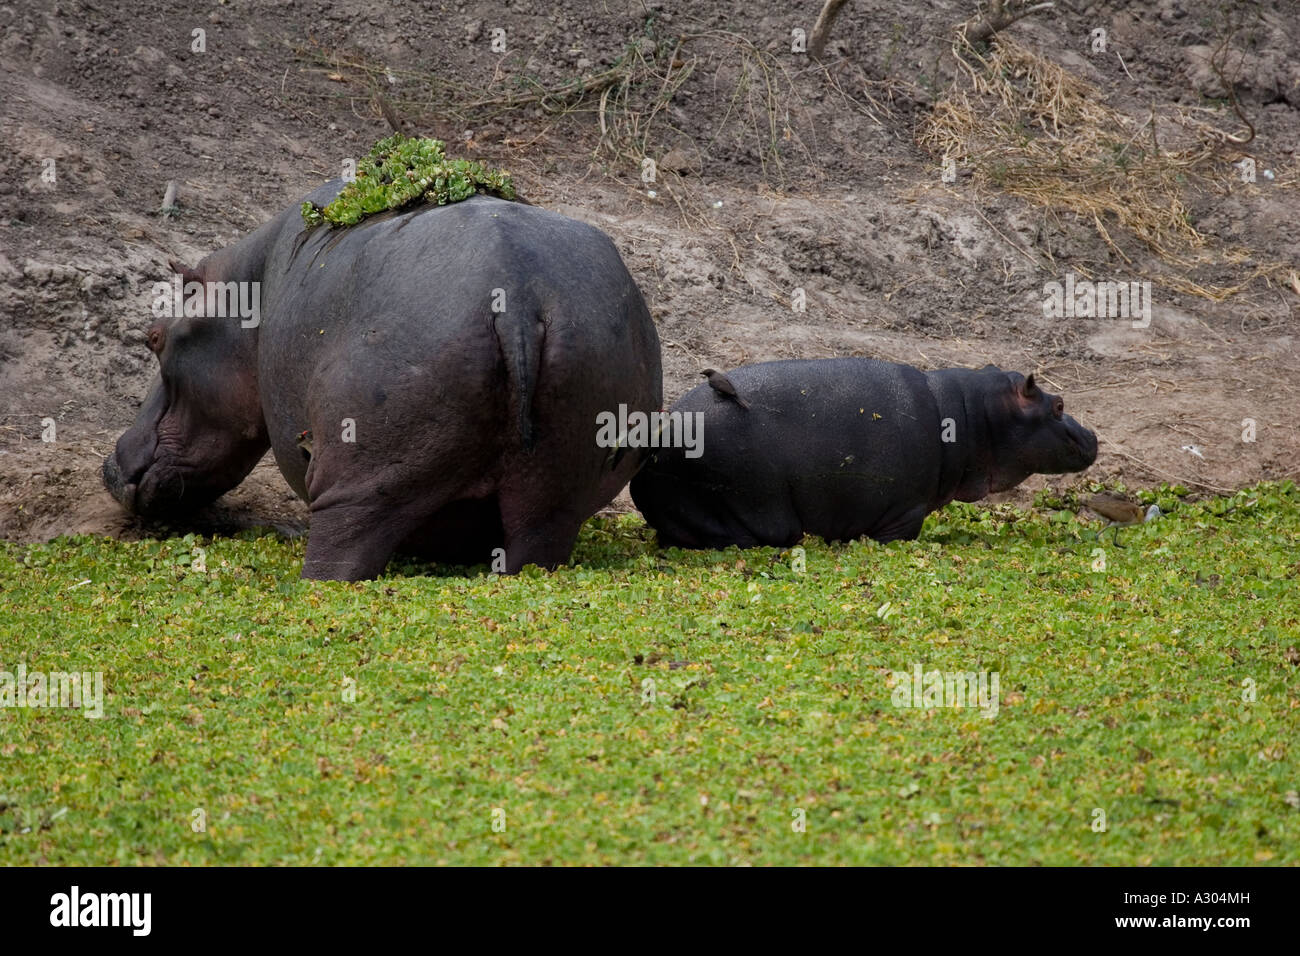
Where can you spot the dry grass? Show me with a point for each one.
(1027, 127)
(629, 105)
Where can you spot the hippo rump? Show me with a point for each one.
(429, 380)
(850, 447)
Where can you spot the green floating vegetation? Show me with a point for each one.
(401, 171)
(639, 706)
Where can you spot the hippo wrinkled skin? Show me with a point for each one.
(428, 380)
(851, 447)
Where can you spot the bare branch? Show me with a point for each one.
(1230, 89)
(822, 28)
(998, 19)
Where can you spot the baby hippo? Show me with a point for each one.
(849, 447)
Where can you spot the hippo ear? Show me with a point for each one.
(1030, 388)
(156, 337)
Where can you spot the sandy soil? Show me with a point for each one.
(829, 193)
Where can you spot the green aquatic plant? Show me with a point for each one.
(650, 707)
(400, 171)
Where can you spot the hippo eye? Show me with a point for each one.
(1058, 408)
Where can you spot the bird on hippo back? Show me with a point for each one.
(723, 386)
(848, 448)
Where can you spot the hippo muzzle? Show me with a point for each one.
(123, 492)
(1084, 441)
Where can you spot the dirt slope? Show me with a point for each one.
(775, 175)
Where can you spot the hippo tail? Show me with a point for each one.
(521, 348)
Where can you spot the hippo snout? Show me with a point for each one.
(1084, 445)
(122, 491)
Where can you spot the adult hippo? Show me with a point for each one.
(850, 447)
(428, 380)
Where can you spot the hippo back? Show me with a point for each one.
(827, 446)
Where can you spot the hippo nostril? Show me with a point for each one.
(112, 474)
(122, 491)
(1087, 442)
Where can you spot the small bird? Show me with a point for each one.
(722, 385)
(304, 442)
(1120, 513)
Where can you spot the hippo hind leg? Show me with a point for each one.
(465, 532)
(355, 532)
(352, 542)
(545, 541)
(900, 527)
(538, 529)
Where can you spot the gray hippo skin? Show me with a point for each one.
(473, 427)
(851, 447)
